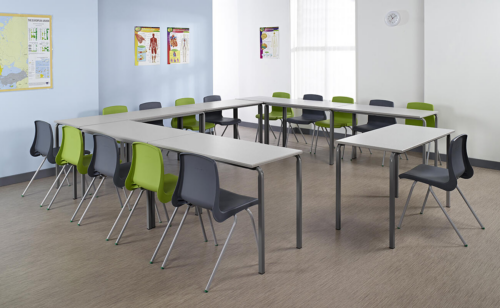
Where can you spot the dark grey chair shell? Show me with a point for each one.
(216, 117)
(376, 122)
(43, 143)
(152, 105)
(308, 115)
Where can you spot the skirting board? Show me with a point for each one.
(24, 177)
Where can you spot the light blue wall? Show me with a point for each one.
(75, 77)
(123, 83)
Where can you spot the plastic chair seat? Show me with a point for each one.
(169, 183)
(274, 115)
(306, 119)
(434, 176)
(231, 204)
(326, 124)
(221, 120)
(370, 126)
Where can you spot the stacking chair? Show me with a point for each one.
(376, 122)
(152, 105)
(341, 119)
(309, 116)
(146, 173)
(114, 109)
(70, 154)
(430, 121)
(216, 117)
(105, 163)
(198, 186)
(277, 114)
(189, 122)
(458, 166)
(43, 145)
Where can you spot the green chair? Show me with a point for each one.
(340, 119)
(70, 154)
(189, 122)
(114, 109)
(430, 120)
(277, 114)
(146, 173)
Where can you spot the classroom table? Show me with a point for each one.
(396, 139)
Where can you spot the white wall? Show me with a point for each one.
(462, 70)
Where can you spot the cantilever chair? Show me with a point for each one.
(198, 186)
(458, 166)
(216, 117)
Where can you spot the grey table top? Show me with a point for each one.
(298, 103)
(160, 113)
(388, 111)
(396, 138)
(228, 104)
(92, 120)
(227, 150)
(130, 131)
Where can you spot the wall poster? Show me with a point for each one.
(178, 45)
(147, 46)
(269, 42)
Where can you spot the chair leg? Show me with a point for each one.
(238, 131)
(383, 159)
(446, 214)
(175, 237)
(281, 129)
(57, 191)
(129, 216)
(198, 212)
(312, 143)
(254, 228)
(406, 156)
(166, 212)
(81, 201)
(119, 197)
(224, 131)
(125, 193)
(345, 136)
(272, 131)
(406, 205)
(91, 200)
(300, 130)
(53, 184)
(34, 175)
(368, 150)
(221, 254)
(425, 200)
(215, 132)
(212, 226)
(163, 236)
(291, 128)
(119, 215)
(470, 207)
(257, 133)
(157, 213)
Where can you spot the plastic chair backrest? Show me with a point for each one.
(186, 119)
(430, 121)
(198, 183)
(114, 109)
(213, 98)
(372, 119)
(43, 143)
(289, 111)
(458, 160)
(146, 170)
(71, 151)
(152, 105)
(105, 159)
(314, 97)
(343, 117)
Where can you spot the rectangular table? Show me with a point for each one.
(396, 139)
(247, 155)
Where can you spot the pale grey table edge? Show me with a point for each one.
(90, 130)
(292, 105)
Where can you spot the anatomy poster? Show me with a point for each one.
(178, 45)
(147, 46)
(269, 43)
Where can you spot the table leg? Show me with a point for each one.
(338, 177)
(202, 122)
(57, 145)
(262, 243)
(122, 150)
(180, 125)
(332, 146)
(392, 200)
(150, 210)
(129, 151)
(284, 129)
(396, 167)
(436, 144)
(75, 186)
(448, 143)
(299, 200)
(259, 123)
(266, 127)
(235, 126)
(354, 149)
(424, 154)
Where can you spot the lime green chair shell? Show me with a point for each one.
(71, 151)
(277, 112)
(340, 119)
(147, 172)
(189, 122)
(114, 109)
(430, 121)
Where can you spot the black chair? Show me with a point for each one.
(458, 166)
(309, 116)
(376, 122)
(198, 186)
(152, 105)
(216, 117)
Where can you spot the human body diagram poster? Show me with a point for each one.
(147, 46)
(269, 42)
(178, 45)
(25, 52)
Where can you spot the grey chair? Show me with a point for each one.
(216, 117)
(43, 145)
(309, 116)
(198, 186)
(458, 166)
(152, 105)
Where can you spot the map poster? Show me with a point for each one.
(178, 45)
(269, 43)
(25, 52)
(147, 46)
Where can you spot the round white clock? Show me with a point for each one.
(392, 18)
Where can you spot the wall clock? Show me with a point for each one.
(392, 18)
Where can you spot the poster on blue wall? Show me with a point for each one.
(178, 45)
(269, 42)
(147, 46)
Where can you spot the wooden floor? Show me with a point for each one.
(46, 261)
